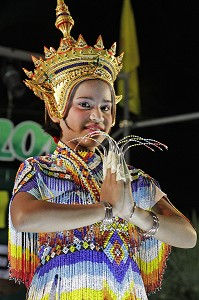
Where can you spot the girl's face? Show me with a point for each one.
(91, 110)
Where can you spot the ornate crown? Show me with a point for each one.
(73, 62)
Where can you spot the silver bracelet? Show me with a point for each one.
(132, 210)
(154, 228)
(108, 212)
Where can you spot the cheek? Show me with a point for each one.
(73, 114)
(110, 118)
(77, 116)
(108, 123)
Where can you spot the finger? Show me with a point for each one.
(104, 166)
(126, 171)
(120, 175)
(114, 162)
(110, 162)
(109, 159)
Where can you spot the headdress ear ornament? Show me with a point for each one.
(73, 62)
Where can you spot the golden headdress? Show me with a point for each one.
(73, 62)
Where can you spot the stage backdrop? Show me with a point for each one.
(18, 142)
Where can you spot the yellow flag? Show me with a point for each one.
(4, 200)
(129, 45)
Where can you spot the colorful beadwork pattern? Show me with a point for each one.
(91, 262)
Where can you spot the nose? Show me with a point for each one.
(96, 115)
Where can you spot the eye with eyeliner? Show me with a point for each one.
(87, 105)
(84, 104)
(105, 108)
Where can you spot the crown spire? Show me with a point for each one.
(64, 22)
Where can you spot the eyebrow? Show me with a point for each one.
(108, 101)
(90, 98)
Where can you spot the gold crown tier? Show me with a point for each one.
(74, 61)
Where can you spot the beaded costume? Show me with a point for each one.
(93, 262)
(101, 261)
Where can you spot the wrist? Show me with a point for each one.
(132, 211)
(154, 228)
(147, 221)
(108, 212)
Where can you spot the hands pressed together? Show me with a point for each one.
(116, 187)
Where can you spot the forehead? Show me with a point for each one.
(94, 86)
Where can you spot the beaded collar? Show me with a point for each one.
(81, 165)
(66, 151)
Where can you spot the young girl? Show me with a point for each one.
(82, 224)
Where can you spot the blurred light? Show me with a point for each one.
(13, 81)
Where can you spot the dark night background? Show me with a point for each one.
(167, 33)
(168, 39)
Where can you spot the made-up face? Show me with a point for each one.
(91, 110)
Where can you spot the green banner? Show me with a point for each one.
(24, 140)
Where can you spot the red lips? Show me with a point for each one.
(94, 127)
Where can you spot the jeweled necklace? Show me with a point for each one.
(79, 169)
